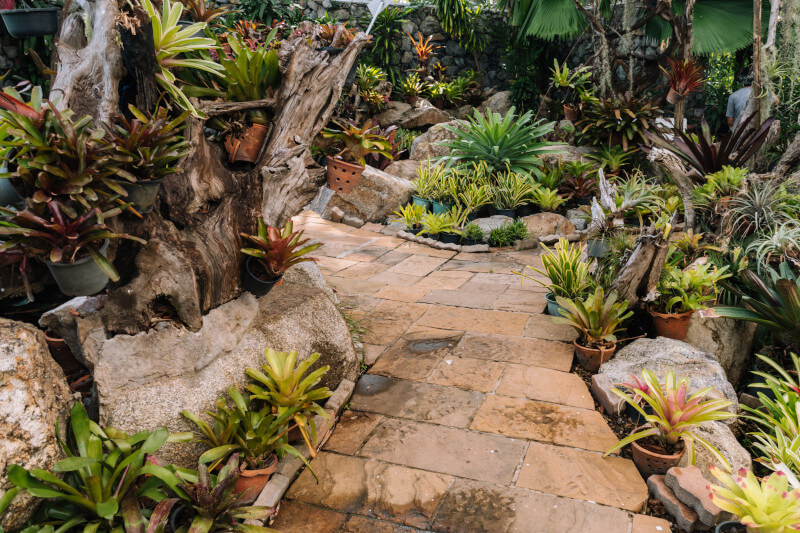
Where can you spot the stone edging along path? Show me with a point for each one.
(469, 418)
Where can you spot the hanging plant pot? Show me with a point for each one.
(143, 194)
(424, 203)
(440, 208)
(650, 461)
(253, 283)
(343, 176)
(731, 526)
(31, 22)
(673, 96)
(598, 248)
(592, 358)
(80, 278)
(246, 147)
(8, 194)
(671, 325)
(252, 482)
(571, 113)
(552, 304)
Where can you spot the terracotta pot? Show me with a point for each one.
(246, 147)
(650, 462)
(673, 96)
(571, 113)
(62, 354)
(592, 358)
(252, 482)
(671, 325)
(343, 176)
(723, 204)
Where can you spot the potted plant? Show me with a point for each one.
(435, 224)
(29, 21)
(473, 197)
(283, 384)
(411, 216)
(458, 218)
(681, 292)
(358, 143)
(570, 84)
(579, 184)
(427, 180)
(276, 250)
(769, 505)
(548, 200)
(412, 87)
(153, 145)
(661, 443)
(512, 190)
(597, 319)
(684, 77)
(472, 234)
(568, 275)
(73, 248)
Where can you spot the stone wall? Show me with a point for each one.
(423, 19)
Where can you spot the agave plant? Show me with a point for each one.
(56, 237)
(596, 318)
(153, 144)
(217, 507)
(675, 414)
(278, 249)
(705, 156)
(105, 471)
(505, 143)
(173, 41)
(767, 506)
(568, 274)
(775, 305)
(284, 385)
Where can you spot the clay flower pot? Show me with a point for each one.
(592, 358)
(343, 176)
(252, 482)
(571, 113)
(671, 325)
(649, 461)
(246, 148)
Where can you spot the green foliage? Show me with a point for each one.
(474, 232)
(359, 142)
(269, 10)
(410, 214)
(368, 77)
(513, 190)
(618, 120)
(412, 86)
(283, 384)
(720, 83)
(475, 195)
(103, 476)
(429, 178)
(434, 224)
(766, 506)
(675, 413)
(777, 245)
(548, 200)
(759, 209)
(567, 273)
(278, 249)
(612, 159)
(727, 182)
(688, 289)
(406, 138)
(506, 234)
(504, 143)
(596, 318)
(386, 34)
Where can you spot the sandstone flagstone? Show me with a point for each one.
(534, 352)
(542, 327)
(402, 294)
(297, 517)
(362, 270)
(515, 299)
(544, 422)
(447, 450)
(359, 524)
(469, 374)
(481, 321)
(421, 249)
(415, 355)
(418, 265)
(583, 475)
(445, 280)
(392, 258)
(352, 430)
(357, 485)
(479, 296)
(424, 402)
(547, 385)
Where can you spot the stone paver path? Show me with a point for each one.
(469, 419)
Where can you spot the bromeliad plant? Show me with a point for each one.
(675, 414)
(424, 50)
(568, 274)
(359, 142)
(284, 385)
(98, 485)
(411, 215)
(766, 506)
(506, 143)
(412, 87)
(278, 249)
(548, 200)
(623, 120)
(690, 289)
(596, 318)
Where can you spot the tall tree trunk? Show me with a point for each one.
(758, 83)
(192, 260)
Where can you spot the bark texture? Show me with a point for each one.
(192, 260)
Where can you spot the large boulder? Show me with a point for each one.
(145, 380)
(542, 224)
(720, 436)
(661, 355)
(34, 395)
(376, 195)
(420, 115)
(429, 144)
(404, 168)
(497, 103)
(729, 340)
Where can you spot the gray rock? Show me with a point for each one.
(393, 113)
(498, 103)
(34, 395)
(144, 381)
(526, 244)
(722, 438)
(490, 223)
(542, 224)
(421, 115)
(308, 273)
(574, 216)
(376, 195)
(729, 340)
(661, 355)
(430, 25)
(61, 320)
(405, 168)
(475, 248)
(568, 153)
(353, 221)
(429, 144)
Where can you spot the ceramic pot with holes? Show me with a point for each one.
(343, 176)
(651, 462)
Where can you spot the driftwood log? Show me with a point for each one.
(192, 260)
(637, 279)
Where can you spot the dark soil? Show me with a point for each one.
(622, 426)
